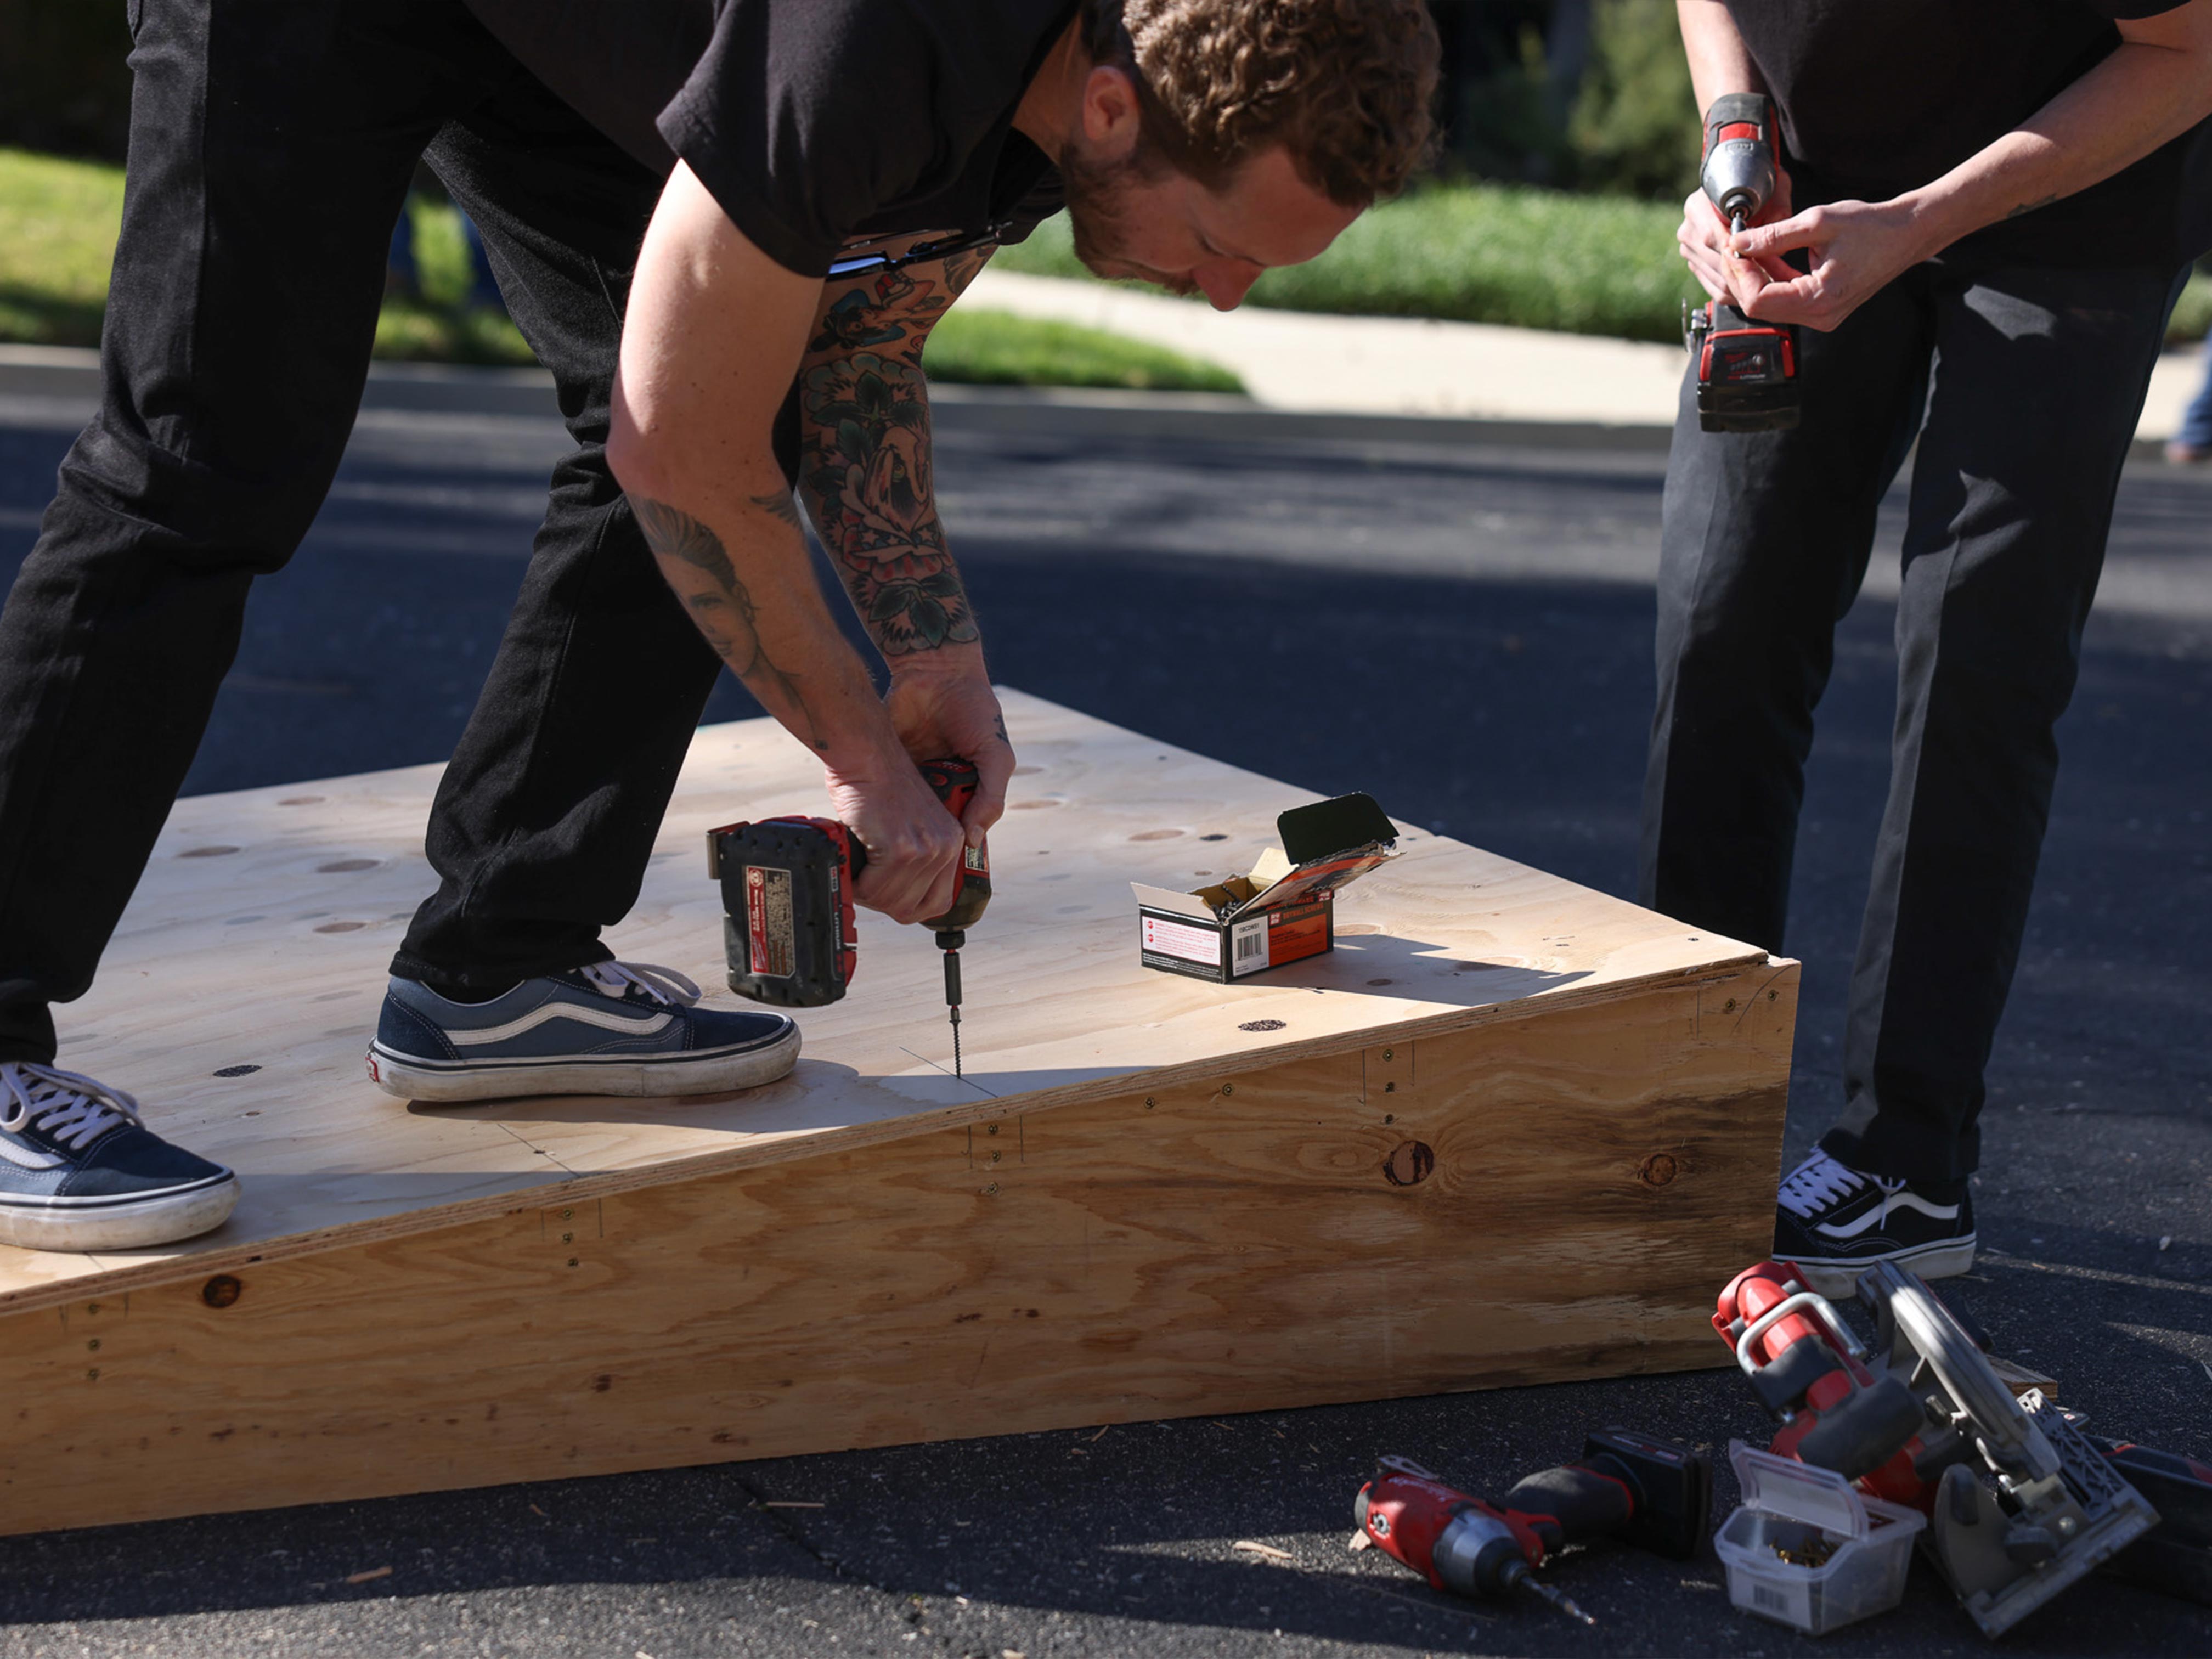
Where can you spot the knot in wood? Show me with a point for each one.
(221, 1291)
(1658, 1169)
(1409, 1164)
(1261, 1025)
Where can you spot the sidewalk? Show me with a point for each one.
(1414, 365)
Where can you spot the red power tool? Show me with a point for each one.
(1810, 1371)
(1651, 1494)
(2021, 1504)
(788, 926)
(1746, 370)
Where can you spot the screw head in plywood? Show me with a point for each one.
(1228, 1088)
(221, 1291)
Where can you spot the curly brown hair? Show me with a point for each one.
(1345, 86)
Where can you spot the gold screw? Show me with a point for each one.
(988, 1190)
(93, 1375)
(568, 1215)
(1228, 1088)
(1728, 1007)
(990, 1128)
(994, 1158)
(1390, 1054)
(93, 1346)
(1150, 1102)
(572, 1260)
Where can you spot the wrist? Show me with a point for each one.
(964, 661)
(1933, 217)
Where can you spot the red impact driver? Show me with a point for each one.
(1746, 370)
(787, 927)
(1648, 1493)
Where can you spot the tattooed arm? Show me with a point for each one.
(714, 333)
(866, 475)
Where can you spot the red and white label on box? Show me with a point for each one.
(1179, 939)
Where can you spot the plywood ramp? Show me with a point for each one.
(1511, 1130)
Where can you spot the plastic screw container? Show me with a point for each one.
(1791, 1506)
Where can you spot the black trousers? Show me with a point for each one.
(2023, 388)
(271, 144)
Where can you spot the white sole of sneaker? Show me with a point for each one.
(654, 1080)
(140, 1225)
(1838, 1281)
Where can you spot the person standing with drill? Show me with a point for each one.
(1984, 213)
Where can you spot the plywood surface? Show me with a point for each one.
(260, 935)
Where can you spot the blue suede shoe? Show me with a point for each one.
(609, 1028)
(78, 1171)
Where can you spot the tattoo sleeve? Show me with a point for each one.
(865, 464)
(698, 568)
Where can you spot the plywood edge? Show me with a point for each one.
(216, 1257)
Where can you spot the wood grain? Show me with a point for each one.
(1553, 1193)
(259, 936)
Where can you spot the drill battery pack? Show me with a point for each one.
(1747, 370)
(788, 907)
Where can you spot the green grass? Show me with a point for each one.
(1479, 253)
(1497, 254)
(1476, 252)
(998, 348)
(2192, 318)
(58, 220)
(57, 225)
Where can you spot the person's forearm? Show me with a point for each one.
(867, 467)
(743, 575)
(1719, 62)
(2123, 109)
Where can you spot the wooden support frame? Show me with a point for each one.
(1539, 1187)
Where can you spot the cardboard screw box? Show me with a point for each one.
(1284, 911)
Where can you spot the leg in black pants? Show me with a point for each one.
(272, 142)
(546, 814)
(269, 152)
(2038, 378)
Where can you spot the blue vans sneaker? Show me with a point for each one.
(78, 1171)
(611, 1029)
(1834, 1223)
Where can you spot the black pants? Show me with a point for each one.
(2023, 388)
(271, 144)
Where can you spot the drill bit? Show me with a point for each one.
(950, 941)
(1521, 1579)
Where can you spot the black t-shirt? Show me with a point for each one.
(1879, 96)
(812, 122)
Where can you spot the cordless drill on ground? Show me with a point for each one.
(787, 924)
(1746, 370)
(1651, 1494)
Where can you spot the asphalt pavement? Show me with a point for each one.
(1461, 626)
